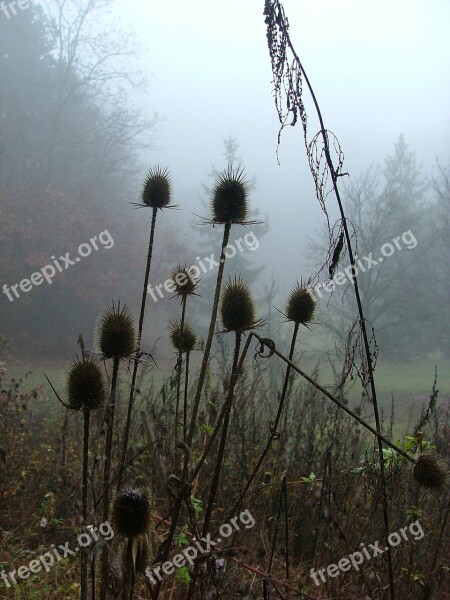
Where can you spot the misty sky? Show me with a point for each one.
(378, 70)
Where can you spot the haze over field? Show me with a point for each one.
(378, 69)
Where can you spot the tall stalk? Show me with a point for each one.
(220, 454)
(107, 470)
(126, 431)
(84, 553)
(209, 339)
(156, 194)
(277, 24)
(179, 369)
(86, 390)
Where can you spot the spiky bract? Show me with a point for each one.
(237, 307)
(430, 471)
(183, 281)
(131, 512)
(300, 305)
(229, 198)
(182, 340)
(85, 383)
(116, 332)
(156, 192)
(136, 551)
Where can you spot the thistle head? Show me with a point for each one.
(85, 383)
(131, 512)
(229, 198)
(300, 305)
(182, 340)
(431, 472)
(183, 281)
(156, 192)
(116, 332)
(237, 307)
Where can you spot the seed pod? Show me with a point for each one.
(116, 332)
(183, 341)
(229, 199)
(237, 307)
(301, 305)
(156, 188)
(430, 471)
(85, 383)
(183, 281)
(131, 512)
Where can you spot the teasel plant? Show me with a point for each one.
(431, 471)
(116, 341)
(300, 310)
(229, 206)
(86, 391)
(131, 517)
(156, 194)
(290, 80)
(183, 338)
(238, 314)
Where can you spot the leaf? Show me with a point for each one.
(183, 575)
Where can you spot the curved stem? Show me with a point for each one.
(273, 432)
(362, 322)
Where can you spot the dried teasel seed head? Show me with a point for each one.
(116, 332)
(85, 383)
(300, 305)
(131, 512)
(431, 472)
(229, 197)
(183, 281)
(183, 341)
(237, 307)
(156, 192)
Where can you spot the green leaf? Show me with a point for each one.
(183, 576)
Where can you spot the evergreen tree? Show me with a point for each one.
(393, 225)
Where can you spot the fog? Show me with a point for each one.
(75, 154)
(378, 70)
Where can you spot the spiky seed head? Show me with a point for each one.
(431, 472)
(237, 307)
(131, 512)
(300, 305)
(85, 384)
(183, 281)
(229, 198)
(182, 340)
(116, 332)
(156, 192)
